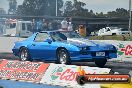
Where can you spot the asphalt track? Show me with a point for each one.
(120, 66)
(16, 84)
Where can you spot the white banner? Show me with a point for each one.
(65, 75)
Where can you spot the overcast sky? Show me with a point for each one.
(95, 5)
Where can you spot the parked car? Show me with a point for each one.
(113, 31)
(55, 46)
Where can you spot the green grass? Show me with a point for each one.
(114, 37)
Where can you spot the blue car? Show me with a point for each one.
(55, 46)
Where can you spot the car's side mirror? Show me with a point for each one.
(48, 40)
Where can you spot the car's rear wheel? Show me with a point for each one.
(24, 55)
(100, 62)
(63, 57)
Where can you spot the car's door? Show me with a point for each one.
(41, 49)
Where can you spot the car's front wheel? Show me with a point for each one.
(100, 62)
(63, 57)
(24, 55)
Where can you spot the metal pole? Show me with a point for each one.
(129, 15)
(64, 8)
(56, 7)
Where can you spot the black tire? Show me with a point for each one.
(80, 80)
(63, 57)
(24, 55)
(100, 62)
(114, 34)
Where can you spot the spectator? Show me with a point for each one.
(33, 26)
(70, 28)
(64, 24)
(55, 25)
(82, 30)
(39, 25)
(44, 25)
(50, 26)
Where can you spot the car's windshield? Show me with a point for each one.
(57, 36)
(112, 28)
(71, 34)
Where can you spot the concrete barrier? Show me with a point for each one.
(22, 71)
(53, 74)
(65, 75)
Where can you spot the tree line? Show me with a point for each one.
(73, 8)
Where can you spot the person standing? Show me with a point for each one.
(39, 25)
(55, 25)
(64, 25)
(50, 26)
(70, 26)
(82, 30)
(44, 25)
(33, 26)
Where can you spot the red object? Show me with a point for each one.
(19, 70)
(11, 21)
(108, 78)
(127, 50)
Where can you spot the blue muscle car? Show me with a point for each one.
(55, 46)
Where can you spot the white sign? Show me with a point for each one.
(65, 75)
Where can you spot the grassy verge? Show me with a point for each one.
(114, 37)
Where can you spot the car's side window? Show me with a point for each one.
(40, 37)
(23, 26)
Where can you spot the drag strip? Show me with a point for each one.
(8, 56)
(17, 84)
(120, 67)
